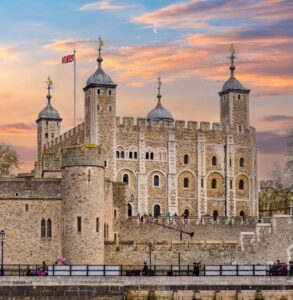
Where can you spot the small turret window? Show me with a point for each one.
(152, 155)
(147, 155)
(241, 184)
(241, 162)
(186, 183)
(46, 135)
(135, 155)
(97, 224)
(126, 179)
(186, 159)
(78, 224)
(122, 154)
(214, 160)
(99, 91)
(239, 97)
(110, 92)
(214, 184)
(156, 180)
(49, 228)
(130, 155)
(117, 154)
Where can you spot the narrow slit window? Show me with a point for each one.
(78, 224)
(97, 224)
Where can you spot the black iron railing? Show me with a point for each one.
(154, 270)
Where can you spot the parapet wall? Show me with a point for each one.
(30, 188)
(180, 125)
(67, 136)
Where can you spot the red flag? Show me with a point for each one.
(68, 58)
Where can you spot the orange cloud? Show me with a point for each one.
(9, 53)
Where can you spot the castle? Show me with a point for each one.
(91, 184)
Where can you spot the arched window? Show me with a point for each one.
(49, 228)
(147, 155)
(242, 214)
(135, 155)
(186, 183)
(105, 231)
(186, 159)
(241, 162)
(214, 160)
(129, 210)
(241, 184)
(130, 155)
(156, 180)
(152, 155)
(126, 179)
(214, 183)
(122, 154)
(215, 215)
(186, 213)
(157, 210)
(43, 228)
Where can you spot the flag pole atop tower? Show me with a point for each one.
(74, 85)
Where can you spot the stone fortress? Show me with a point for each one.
(102, 191)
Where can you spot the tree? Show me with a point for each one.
(277, 175)
(9, 159)
(289, 164)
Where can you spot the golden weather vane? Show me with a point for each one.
(100, 42)
(232, 49)
(159, 81)
(49, 82)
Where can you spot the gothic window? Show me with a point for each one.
(186, 159)
(97, 224)
(43, 228)
(214, 183)
(157, 210)
(135, 155)
(241, 184)
(214, 160)
(156, 180)
(241, 162)
(186, 183)
(152, 155)
(122, 154)
(130, 155)
(215, 215)
(117, 154)
(126, 179)
(78, 224)
(49, 228)
(129, 210)
(147, 155)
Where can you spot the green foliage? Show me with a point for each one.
(9, 159)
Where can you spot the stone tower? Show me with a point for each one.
(83, 202)
(100, 115)
(48, 123)
(234, 101)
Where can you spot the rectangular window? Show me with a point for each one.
(115, 213)
(78, 224)
(26, 207)
(97, 224)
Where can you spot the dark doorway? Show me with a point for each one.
(157, 210)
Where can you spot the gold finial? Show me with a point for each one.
(232, 49)
(49, 82)
(101, 42)
(159, 81)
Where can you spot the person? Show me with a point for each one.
(29, 271)
(45, 269)
(278, 268)
(195, 269)
(284, 269)
(290, 268)
(145, 269)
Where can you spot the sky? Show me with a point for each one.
(186, 43)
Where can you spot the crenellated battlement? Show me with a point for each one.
(128, 122)
(65, 136)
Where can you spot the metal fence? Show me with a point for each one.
(154, 270)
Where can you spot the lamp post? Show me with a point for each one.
(2, 235)
(150, 244)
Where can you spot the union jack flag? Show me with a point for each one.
(68, 58)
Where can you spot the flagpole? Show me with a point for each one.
(74, 85)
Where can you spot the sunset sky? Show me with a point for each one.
(185, 42)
